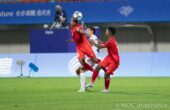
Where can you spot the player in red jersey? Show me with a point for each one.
(110, 62)
(83, 46)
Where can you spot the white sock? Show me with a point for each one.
(82, 80)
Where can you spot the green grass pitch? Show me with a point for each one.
(60, 94)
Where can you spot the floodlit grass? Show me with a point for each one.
(60, 94)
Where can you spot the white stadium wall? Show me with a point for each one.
(146, 64)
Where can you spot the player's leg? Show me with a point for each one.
(100, 66)
(92, 56)
(89, 61)
(81, 57)
(82, 80)
(81, 74)
(96, 60)
(93, 64)
(96, 73)
(89, 52)
(94, 76)
(85, 65)
(110, 71)
(75, 67)
(106, 82)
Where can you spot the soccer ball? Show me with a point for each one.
(77, 15)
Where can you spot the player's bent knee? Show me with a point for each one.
(78, 71)
(96, 60)
(81, 60)
(99, 67)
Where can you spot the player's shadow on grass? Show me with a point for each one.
(95, 91)
(92, 91)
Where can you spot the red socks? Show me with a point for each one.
(94, 76)
(107, 83)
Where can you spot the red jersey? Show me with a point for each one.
(83, 46)
(112, 49)
(79, 39)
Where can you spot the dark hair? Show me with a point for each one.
(92, 29)
(112, 30)
(75, 20)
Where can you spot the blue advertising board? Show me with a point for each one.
(27, 13)
(93, 12)
(122, 11)
(52, 41)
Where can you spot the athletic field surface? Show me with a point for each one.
(61, 94)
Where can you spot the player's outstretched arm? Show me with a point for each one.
(100, 42)
(99, 45)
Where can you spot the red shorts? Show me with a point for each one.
(82, 52)
(109, 65)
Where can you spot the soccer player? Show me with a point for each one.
(90, 32)
(110, 62)
(83, 47)
(74, 64)
(92, 38)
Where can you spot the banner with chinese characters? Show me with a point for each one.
(115, 11)
(27, 13)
